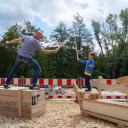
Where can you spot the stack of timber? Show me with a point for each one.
(22, 102)
(110, 110)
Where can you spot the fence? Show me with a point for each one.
(49, 81)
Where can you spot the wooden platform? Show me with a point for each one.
(22, 102)
(109, 110)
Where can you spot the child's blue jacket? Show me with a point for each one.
(88, 70)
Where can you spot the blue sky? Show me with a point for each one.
(46, 14)
(44, 26)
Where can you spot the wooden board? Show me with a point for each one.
(31, 111)
(10, 101)
(113, 87)
(28, 94)
(114, 120)
(107, 108)
(122, 80)
(79, 95)
(90, 92)
(33, 103)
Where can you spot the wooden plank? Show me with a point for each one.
(122, 80)
(29, 111)
(108, 109)
(8, 98)
(99, 90)
(114, 120)
(19, 102)
(13, 91)
(78, 94)
(38, 113)
(110, 102)
(10, 103)
(9, 108)
(113, 87)
(11, 114)
(92, 97)
(30, 106)
(127, 99)
(28, 95)
(90, 93)
(7, 92)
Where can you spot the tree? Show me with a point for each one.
(14, 32)
(60, 34)
(84, 37)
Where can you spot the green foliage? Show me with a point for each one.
(110, 62)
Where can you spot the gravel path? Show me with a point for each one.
(59, 114)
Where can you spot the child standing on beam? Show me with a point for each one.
(88, 69)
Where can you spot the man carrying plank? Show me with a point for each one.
(30, 44)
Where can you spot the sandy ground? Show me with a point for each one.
(59, 114)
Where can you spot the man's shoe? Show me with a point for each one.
(26, 85)
(34, 87)
(6, 86)
(88, 90)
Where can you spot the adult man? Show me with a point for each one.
(30, 44)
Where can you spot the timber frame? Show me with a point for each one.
(110, 110)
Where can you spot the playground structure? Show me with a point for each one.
(22, 102)
(111, 110)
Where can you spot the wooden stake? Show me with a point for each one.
(64, 42)
(76, 48)
(127, 99)
(99, 89)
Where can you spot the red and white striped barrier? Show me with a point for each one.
(27, 81)
(73, 97)
(16, 81)
(59, 97)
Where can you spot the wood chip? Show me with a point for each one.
(59, 114)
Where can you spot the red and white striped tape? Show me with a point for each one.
(16, 81)
(27, 81)
(73, 97)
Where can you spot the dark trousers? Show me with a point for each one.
(87, 81)
(29, 61)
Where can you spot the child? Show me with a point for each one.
(88, 69)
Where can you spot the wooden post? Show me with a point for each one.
(79, 95)
(19, 103)
(127, 99)
(99, 89)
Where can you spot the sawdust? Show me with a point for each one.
(59, 114)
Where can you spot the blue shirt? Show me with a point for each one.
(30, 44)
(88, 70)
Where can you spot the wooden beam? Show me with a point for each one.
(122, 80)
(113, 87)
(78, 94)
(111, 109)
(114, 120)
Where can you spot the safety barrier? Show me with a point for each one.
(41, 81)
(73, 97)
